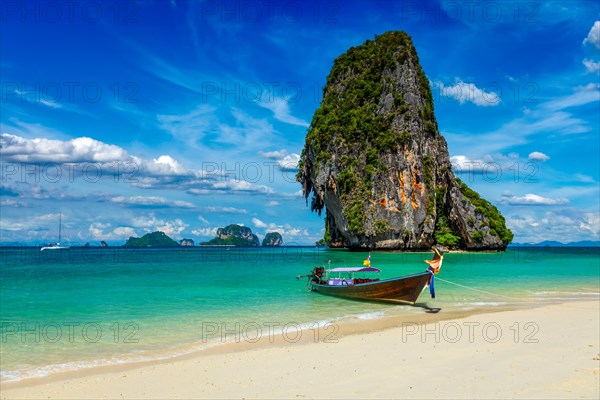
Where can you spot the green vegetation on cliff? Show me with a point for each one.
(154, 239)
(349, 115)
(443, 233)
(374, 158)
(348, 111)
(272, 239)
(496, 221)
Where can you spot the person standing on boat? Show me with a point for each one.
(367, 262)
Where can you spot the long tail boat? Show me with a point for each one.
(353, 283)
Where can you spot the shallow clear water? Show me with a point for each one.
(61, 310)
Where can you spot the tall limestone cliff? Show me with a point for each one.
(374, 158)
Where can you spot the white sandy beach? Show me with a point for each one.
(547, 352)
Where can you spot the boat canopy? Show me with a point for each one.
(355, 269)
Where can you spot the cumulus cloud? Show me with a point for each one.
(593, 37)
(591, 66)
(91, 160)
(468, 93)
(531, 199)
(104, 157)
(285, 161)
(14, 148)
(463, 163)
(537, 156)
(100, 231)
(150, 223)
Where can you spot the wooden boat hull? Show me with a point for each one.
(396, 290)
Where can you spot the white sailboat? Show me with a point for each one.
(56, 246)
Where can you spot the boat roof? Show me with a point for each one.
(355, 269)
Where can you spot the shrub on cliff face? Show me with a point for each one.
(496, 221)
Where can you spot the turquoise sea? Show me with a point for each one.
(85, 307)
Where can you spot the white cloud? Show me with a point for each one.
(274, 155)
(468, 92)
(83, 149)
(225, 210)
(236, 185)
(12, 203)
(564, 225)
(272, 203)
(593, 37)
(547, 118)
(151, 201)
(86, 158)
(150, 224)
(297, 194)
(531, 199)
(285, 161)
(100, 231)
(32, 223)
(212, 232)
(537, 156)
(581, 96)
(289, 162)
(258, 223)
(285, 230)
(463, 163)
(281, 111)
(591, 66)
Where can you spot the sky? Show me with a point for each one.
(185, 116)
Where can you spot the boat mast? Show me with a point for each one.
(59, 226)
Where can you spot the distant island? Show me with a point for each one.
(231, 235)
(234, 235)
(154, 239)
(272, 239)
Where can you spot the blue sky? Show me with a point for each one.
(184, 116)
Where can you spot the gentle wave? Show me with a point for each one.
(127, 358)
(149, 356)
